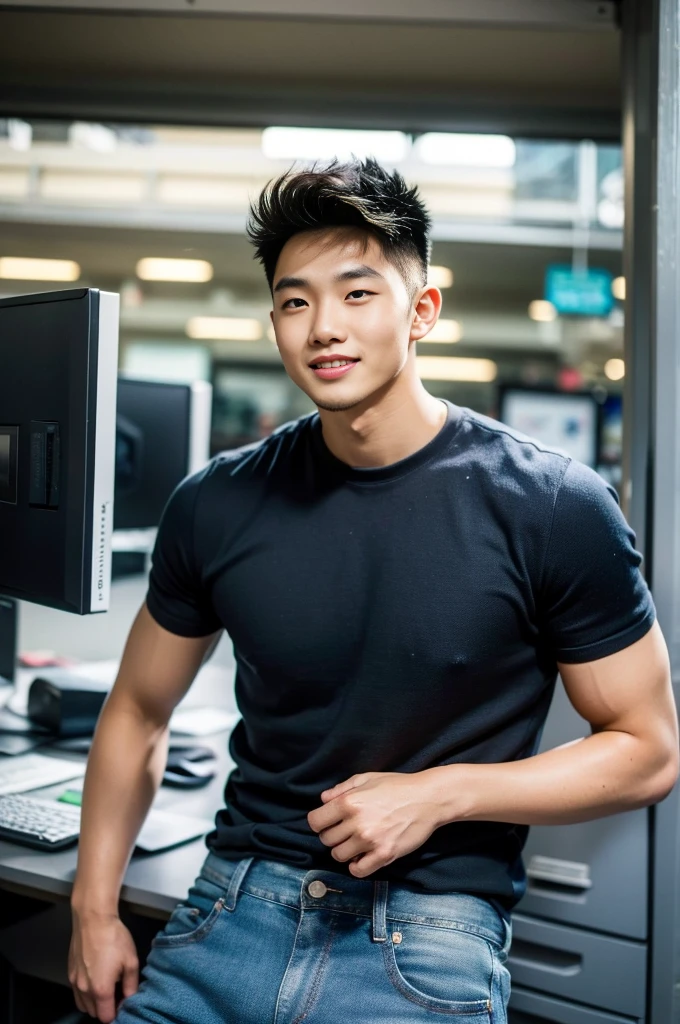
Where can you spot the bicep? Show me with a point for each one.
(158, 667)
(629, 691)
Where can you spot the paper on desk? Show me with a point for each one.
(202, 721)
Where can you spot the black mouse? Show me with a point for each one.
(189, 766)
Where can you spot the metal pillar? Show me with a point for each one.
(651, 129)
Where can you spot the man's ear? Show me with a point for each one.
(425, 312)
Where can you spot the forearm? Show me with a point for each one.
(590, 778)
(125, 768)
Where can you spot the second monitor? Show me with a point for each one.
(162, 435)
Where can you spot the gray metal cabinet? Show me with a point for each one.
(574, 963)
(593, 875)
(535, 1008)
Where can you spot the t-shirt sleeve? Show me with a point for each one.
(176, 598)
(594, 600)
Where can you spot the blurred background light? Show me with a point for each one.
(542, 311)
(439, 277)
(224, 328)
(615, 369)
(456, 368)
(445, 331)
(19, 268)
(153, 268)
(619, 288)
(459, 150)
(327, 143)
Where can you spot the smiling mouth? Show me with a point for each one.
(333, 363)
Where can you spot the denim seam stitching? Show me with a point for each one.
(421, 998)
(185, 939)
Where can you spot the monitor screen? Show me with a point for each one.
(558, 419)
(59, 357)
(162, 435)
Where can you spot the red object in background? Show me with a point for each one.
(569, 379)
(44, 659)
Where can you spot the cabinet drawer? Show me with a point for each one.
(592, 875)
(578, 965)
(534, 1008)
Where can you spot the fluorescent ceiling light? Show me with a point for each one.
(224, 328)
(92, 136)
(615, 369)
(445, 331)
(439, 277)
(542, 311)
(327, 143)
(619, 288)
(18, 268)
(152, 268)
(455, 368)
(458, 150)
(20, 134)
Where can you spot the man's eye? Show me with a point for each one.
(288, 304)
(359, 293)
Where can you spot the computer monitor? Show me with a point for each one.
(59, 358)
(162, 435)
(560, 419)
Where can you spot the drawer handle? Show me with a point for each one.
(561, 874)
(543, 958)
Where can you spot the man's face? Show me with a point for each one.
(335, 300)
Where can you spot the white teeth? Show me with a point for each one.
(336, 362)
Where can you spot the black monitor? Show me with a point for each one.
(162, 435)
(58, 370)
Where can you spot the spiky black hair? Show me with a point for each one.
(359, 194)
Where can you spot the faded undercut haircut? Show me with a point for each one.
(359, 194)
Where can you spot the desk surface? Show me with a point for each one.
(153, 883)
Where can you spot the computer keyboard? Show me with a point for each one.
(42, 824)
(52, 825)
(33, 771)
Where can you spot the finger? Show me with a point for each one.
(80, 1003)
(105, 1006)
(324, 817)
(354, 847)
(130, 979)
(343, 787)
(86, 999)
(336, 835)
(369, 863)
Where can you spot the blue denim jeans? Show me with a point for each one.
(261, 942)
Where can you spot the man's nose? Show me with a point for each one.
(327, 325)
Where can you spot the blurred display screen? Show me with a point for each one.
(559, 420)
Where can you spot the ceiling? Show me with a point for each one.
(268, 70)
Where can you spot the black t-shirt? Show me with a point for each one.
(391, 619)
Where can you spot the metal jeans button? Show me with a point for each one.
(317, 889)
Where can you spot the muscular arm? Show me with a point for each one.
(630, 759)
(124, 770)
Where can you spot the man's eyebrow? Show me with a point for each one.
(361, 270)
(290, 282)
(351, 274)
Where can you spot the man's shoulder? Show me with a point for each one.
(506, 453)
(256, 460)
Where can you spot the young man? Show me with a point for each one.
(402, 579)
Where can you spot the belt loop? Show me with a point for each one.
(379, 911)
(235, 882)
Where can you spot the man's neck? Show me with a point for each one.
(386, 432)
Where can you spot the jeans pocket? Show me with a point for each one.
(194, 919)
(449, 970)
